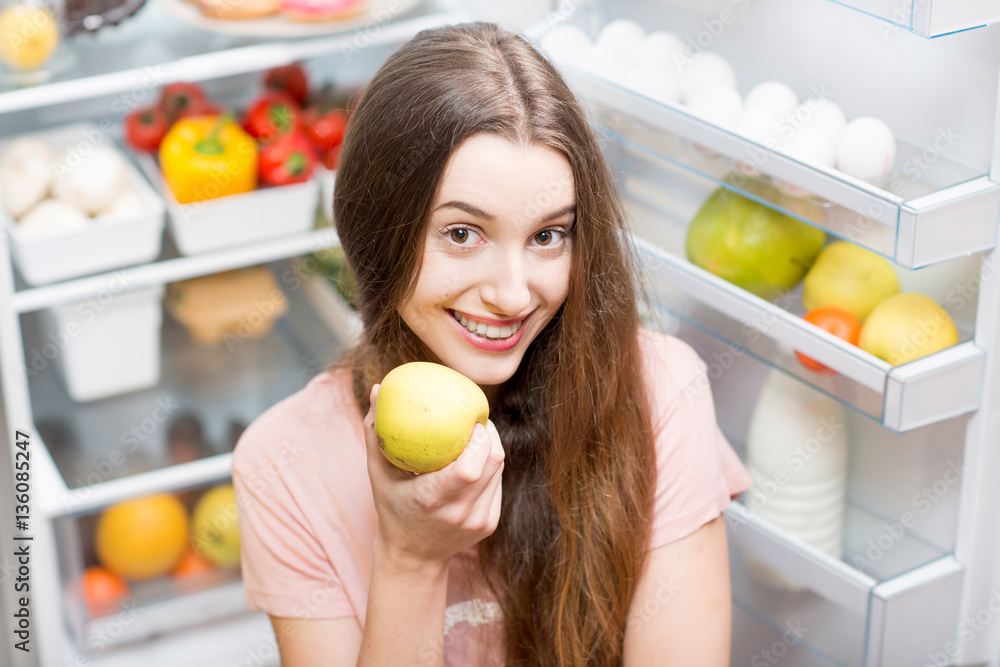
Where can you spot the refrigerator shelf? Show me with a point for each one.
(859, 610)
(170, 267)
(954, 215)
(928, 19)
(939, 386)
(931, 208)
(90, 457)
(160, 50)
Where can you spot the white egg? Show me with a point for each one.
(567, 42)
(707, 70)
(812, 144)
(661, 46)
(718, 104)
(654, 81)
(51, 217)
(821, 112)
(624, 35)
(772, 96)
(758, 124)
(609, 62)
(866, 149)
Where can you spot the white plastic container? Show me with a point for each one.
(110, 242)
(236, 219)
(107, 345)
(797, 452)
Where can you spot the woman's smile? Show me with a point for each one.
(489, 334)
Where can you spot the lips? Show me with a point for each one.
(489, 335)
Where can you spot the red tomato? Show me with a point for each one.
(204, 107)
(272, 114)
(291, 79)
(144, 128)
(288, 159)
(325, 127)
(176, 97)
(837, 321)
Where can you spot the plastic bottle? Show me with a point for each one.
(797, 455)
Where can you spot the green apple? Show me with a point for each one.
(424, 415)
(751, 245)
(905, 327)
(849, 277)
(215, 530)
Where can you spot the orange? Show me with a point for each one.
(837, 321)
(142, 538)
(102, 590)
(191, 564)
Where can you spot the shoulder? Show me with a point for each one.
(670, 366)
(296, 427)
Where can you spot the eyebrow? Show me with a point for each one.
(479, 213)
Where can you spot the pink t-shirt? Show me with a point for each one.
(308, 521)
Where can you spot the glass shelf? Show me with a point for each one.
(220, 390)
(154, 49)
(662, 198)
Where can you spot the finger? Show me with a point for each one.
(489, 502)
(468, 468)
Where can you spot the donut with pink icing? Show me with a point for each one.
(322, 10)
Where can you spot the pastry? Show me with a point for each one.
(322, 10)
(236, 10)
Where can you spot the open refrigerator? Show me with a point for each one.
(917, 583)
(923, 436)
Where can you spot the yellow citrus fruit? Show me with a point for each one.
(215, 528)
(142, 538)
(28, 36)
(907, 326)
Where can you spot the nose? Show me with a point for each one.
(504, 289)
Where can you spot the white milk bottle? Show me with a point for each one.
(797, 455)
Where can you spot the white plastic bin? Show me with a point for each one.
(109, 344)
(110, 242)
(236, 219)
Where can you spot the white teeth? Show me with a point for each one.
(487, 330)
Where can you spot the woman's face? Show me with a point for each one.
(496, 256)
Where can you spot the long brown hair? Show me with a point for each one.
(574, 420)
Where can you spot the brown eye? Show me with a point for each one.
(544, 238)
(459, 235)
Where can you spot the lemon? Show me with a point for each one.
(905, 327)
(849, 277)
(215, 529)
(28, 36)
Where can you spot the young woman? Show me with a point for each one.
(582, 527)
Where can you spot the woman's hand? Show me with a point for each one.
(426, 519)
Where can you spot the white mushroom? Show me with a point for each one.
(25, 174)
(51, 218)
(90, 182)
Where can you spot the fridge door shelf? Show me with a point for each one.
(939, 386)
(928, 19)
(943, 212)
(107, 451)
(934, 222)
(892, 599)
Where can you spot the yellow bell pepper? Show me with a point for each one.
(204, 157)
